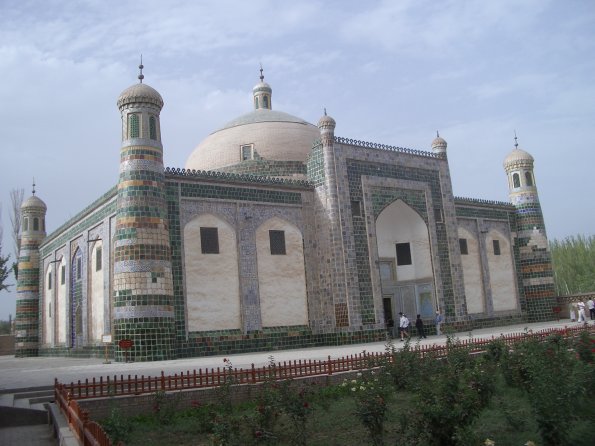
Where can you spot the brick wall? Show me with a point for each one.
(6, 345)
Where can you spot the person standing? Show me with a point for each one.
(419, 326)
(572, 313)
(404, 326)
(438, 321)
(581, 311)
(591, 306)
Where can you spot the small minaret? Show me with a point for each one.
(262, 94)
(27, 309)
(439, 144)
(143, 309)
(534, 255)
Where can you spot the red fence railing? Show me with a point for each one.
(214, 377)
(90, 433)
(87, 432)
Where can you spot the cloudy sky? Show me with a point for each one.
(391, 72)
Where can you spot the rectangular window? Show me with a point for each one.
(50, 309)
(438, 215)
(356, 209)
(133, 126)
(209, 241)
(152, 128)
(49, 281)
(463, 245)
(496, 244)
(63, 275)
(246, 152)
(403, 254)
(277, 242)
(98, 259)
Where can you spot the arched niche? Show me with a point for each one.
(281, 274)
(211, 274)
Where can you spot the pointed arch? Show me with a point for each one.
(96, 298)
(281, 274)
(61, 304)
(472, 273)
(76, 299)
(50, 282)
(501, 268)
(400, 224)
(211, 274)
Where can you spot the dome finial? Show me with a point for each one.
(141, 76)
(516, 143)
(324, 111)
(437, 134)
(33, 186)
(261, 75)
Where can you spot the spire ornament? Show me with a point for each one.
(261, 75)
(33, 191)
(141, 76)
(516, 143)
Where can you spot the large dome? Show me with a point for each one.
(263, 134)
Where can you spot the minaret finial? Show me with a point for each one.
(33, 185)
(141, 76)
(516, 143)
(324, 111)
(261, 75)
(437, 134)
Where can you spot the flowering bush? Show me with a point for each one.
(370, 393)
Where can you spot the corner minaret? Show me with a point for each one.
(439, 144)
(143, 288)
(262, 94)
(27, 310)
(534, 256)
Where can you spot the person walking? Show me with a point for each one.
(404, 326)
(419, 326)
(572, 312)
(438, 321)
(581, 311)
(591, 306)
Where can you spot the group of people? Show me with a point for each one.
(419, 325)
(579, 307)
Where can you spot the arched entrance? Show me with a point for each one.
(404, 262)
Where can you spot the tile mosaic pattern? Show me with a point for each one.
(269, 168)
(482, 214)
(27, 317)
(381, 197)
(143, 309)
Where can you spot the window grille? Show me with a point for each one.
(277, 242)
(133, 126)
(463, 245)
(209, 241)
(403, 254)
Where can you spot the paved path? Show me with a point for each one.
(18, 373)
(38, 435)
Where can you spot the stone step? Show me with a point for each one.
(39, 406)
(34, 394)
(23, 403)
(7, 400)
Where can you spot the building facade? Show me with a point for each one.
(278, 234)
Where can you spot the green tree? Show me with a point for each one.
(574, 264)
(5, 269)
